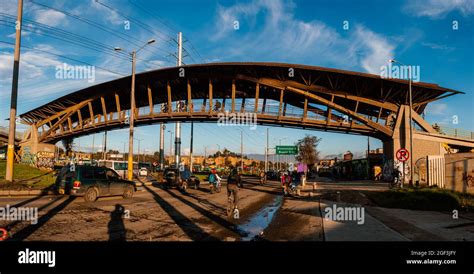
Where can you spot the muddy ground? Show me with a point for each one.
(153, 214)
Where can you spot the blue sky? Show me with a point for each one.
(307, 32)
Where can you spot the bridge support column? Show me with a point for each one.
(422, 146)
(31, 150)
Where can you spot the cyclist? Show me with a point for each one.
(213, 180)
(239, 179)
(396, 174)
(263, 178)
(232, 186)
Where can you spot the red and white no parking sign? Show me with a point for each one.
(403, 155)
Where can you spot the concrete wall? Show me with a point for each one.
(458, 166)
(423, 148)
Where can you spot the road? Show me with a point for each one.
(156, 214)
(153, 214)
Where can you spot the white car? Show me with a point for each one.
(143, 172)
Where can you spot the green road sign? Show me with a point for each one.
(288, 150)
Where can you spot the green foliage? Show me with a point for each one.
(422, 199)
(307, 150)
(26, 176)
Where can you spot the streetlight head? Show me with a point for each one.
(151, 41)
(117, 49)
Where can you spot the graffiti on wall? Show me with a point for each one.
(392, 167)
(42, 159)
(27, 157)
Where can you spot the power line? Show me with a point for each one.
(45, 30)
(158, 19)
(144, 26)
(123, 36)
(73, 38)
(65, 57)
(154, 15)
(102, 27)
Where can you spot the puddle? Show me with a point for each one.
(260, 220)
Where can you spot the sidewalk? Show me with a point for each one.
(418, 225)
(371, 230)
(26, 192)
(390, 224)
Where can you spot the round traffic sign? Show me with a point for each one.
(403, 155)
(4, 234)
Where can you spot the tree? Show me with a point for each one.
(307, 150)
(227, 162)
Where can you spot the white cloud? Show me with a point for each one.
(9, 7)
(32, 65)
(374, 49)
(154, 64)
(437, 109)
(50, 17)
(438, 8)
(105, 13)
(437, 46)
(279, 36)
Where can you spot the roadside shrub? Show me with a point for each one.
(419, 199)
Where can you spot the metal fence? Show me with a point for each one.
(456, 132)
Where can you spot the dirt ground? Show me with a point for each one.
(157, 214)
(297, 220)
(153, 214)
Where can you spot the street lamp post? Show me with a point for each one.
(139, 140)
(133, 54)
(171, 146)
(411, 121)
(278, 156)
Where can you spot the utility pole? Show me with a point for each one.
(266, 154)
(131, 120)
(105, 145)
(242, 150)
(162, 146)
(368, 152)
(92, 148)
(279, 157)
(171, 145)
(191, 148)
(138, 159)
(411, 129)
(14, 98)
(133, 54)
(177, 141)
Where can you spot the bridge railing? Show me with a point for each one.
(455, 132)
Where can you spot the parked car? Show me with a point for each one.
(143, 172)
(92, 182)
(185, 179)
(272, 175)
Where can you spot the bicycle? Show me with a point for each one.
(396, 183)
(230, 205)
(215, 187)
(263, 180)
